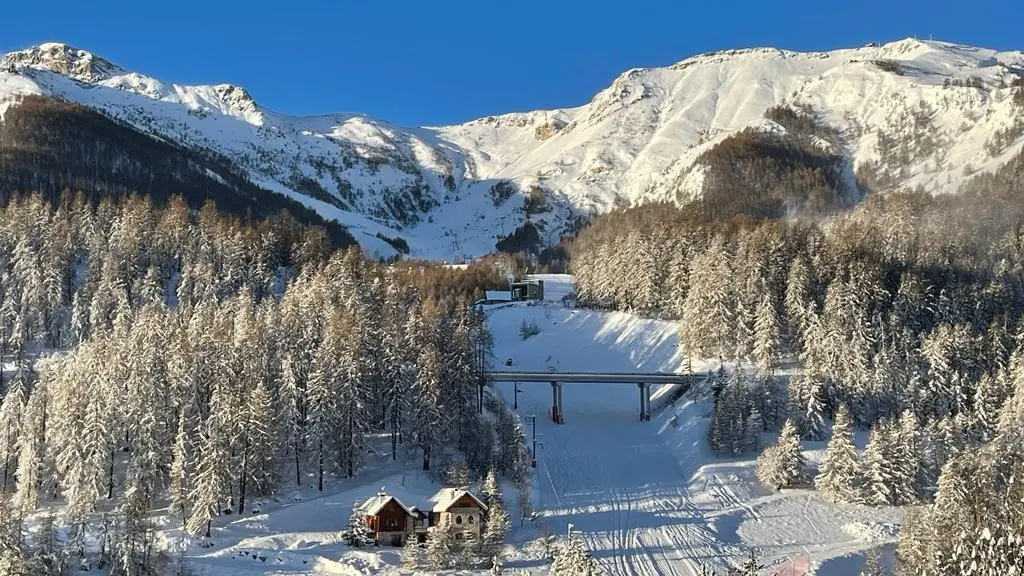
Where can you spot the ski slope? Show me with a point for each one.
(649, 498)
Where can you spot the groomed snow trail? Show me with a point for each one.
(616, 481)
(648, 497)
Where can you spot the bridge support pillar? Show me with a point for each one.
(645, 401)
(556, 403)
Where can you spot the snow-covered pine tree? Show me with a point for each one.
(11, 410)
(357, 534)
(573, 559)
(798, 302)
(709, 310)
(491, 489)
(877, 467)
(497, 526)
(412, 553)
(839, 472)
(425, 417)
(814, 410)
(440, 547)
(31, 448)
(753, 426)
(211, 490)
(352, 406)
(767, 336)
(180, 466)
(989, 396)
(783, 464)
(906, 459)
(796, 404)
(322, 396)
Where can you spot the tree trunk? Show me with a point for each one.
(110, 476)
(244, 477)
(350, 453)
(320, 466)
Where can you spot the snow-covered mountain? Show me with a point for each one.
(910, 113)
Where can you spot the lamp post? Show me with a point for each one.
(533, 453)
(515, 396)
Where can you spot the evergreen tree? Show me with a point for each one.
(412, 553)
(440, 547)
(358, 534)
(497, 525)
(573, 559)
(491, 489)
(878, 468)
(211, 490)
(839, 476)
(906, 459)
(783, 464)
(814, 415)
(767, 336)
(31, 448)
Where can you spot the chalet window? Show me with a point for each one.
(469, 518)
(458, 519)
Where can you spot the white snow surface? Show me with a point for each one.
(648, 498)
(636, 141)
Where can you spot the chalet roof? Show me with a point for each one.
(373, 506)
(445, 497)
(498, 295)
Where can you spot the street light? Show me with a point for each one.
(515, 396)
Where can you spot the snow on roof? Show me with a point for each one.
(497, 295)
(374, 505)
(445, 497)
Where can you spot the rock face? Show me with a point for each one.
(63, 59)
(909, 114)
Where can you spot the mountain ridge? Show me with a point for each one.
(911, 114)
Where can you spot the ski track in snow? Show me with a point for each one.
(647, 497)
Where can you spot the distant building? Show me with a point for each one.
(527, 290)
(461, 510)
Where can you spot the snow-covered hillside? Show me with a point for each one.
(920, 113)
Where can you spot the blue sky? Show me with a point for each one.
(443, 61)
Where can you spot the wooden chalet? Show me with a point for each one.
(391, 521)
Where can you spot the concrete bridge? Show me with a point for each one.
(642, 380)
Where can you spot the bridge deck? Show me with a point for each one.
(590, 377)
